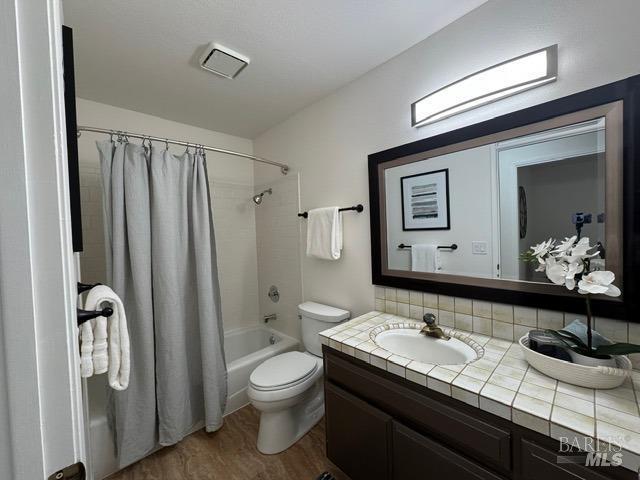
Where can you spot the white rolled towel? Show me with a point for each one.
(86, 349)
(110, 338)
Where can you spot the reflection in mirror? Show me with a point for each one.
(494, 201)
(551, 185)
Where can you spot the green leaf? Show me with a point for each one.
(576, 346)
(617, 349)
(572, 336)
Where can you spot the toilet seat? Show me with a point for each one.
(283, 371)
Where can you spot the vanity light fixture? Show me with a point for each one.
(494, 83)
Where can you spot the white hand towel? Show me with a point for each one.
(324, 233)
(425, 258)
(110, 352)
(86, 349)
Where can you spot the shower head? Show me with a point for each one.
(257, 199)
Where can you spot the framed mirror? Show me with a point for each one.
(453, 213)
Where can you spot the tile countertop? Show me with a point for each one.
(502, 382)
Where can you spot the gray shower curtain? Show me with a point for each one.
(161, 261)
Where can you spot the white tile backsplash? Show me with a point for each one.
(503, 312)
(501, 320)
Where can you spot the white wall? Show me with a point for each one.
(41, 427)
(328, 142)
(231, 181)
(470, 205)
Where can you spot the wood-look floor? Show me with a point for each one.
(231, 454)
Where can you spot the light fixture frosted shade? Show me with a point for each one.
(507, 78)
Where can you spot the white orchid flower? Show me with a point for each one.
(573, 269)
(556, 271)
(581, 249)
(563, 273)
(541, 249)
(599, 282)
(542, 265)
(565, 245)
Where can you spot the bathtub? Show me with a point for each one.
(245, 349)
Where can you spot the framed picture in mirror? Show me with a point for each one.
(425, 200)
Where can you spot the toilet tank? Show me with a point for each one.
(314, 318)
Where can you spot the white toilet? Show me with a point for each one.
(287, 388)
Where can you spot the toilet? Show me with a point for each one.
(287, 389)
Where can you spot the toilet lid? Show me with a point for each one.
(283, 370)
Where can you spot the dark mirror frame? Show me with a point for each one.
(628, 306)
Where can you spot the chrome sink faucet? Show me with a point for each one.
(431, 329)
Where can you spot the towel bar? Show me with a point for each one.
(453, 246)
(86, 315)
(358, 208)
(84, 287)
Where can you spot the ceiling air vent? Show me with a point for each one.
(223, 61)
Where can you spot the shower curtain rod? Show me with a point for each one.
(83, 128)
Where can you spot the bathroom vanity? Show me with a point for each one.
(450, 217)
(382, 426)
(490, 415)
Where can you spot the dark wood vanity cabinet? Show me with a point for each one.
(416, 457)
(381, 426)
(360, 435)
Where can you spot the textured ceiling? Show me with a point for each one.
(143, 54)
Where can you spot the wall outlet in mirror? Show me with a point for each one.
(479, 248)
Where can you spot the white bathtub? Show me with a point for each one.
(245, 349)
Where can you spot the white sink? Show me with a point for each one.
(410, 343)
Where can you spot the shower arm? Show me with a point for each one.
(284, 168)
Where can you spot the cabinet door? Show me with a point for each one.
(540, 462)
(416, 457)
(358, 435)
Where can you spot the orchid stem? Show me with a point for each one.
(588, 300)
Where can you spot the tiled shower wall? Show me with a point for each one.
(277, 228)
(235, 228)
(234, 222)
(500, 320)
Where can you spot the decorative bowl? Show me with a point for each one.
(581, 375)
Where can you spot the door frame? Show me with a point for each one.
(41, 410)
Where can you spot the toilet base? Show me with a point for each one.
(281, 429)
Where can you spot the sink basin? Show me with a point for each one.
(410, 343)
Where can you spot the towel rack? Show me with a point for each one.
(453, 246)
(86, 315)
(84, 287)
(358, 208)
